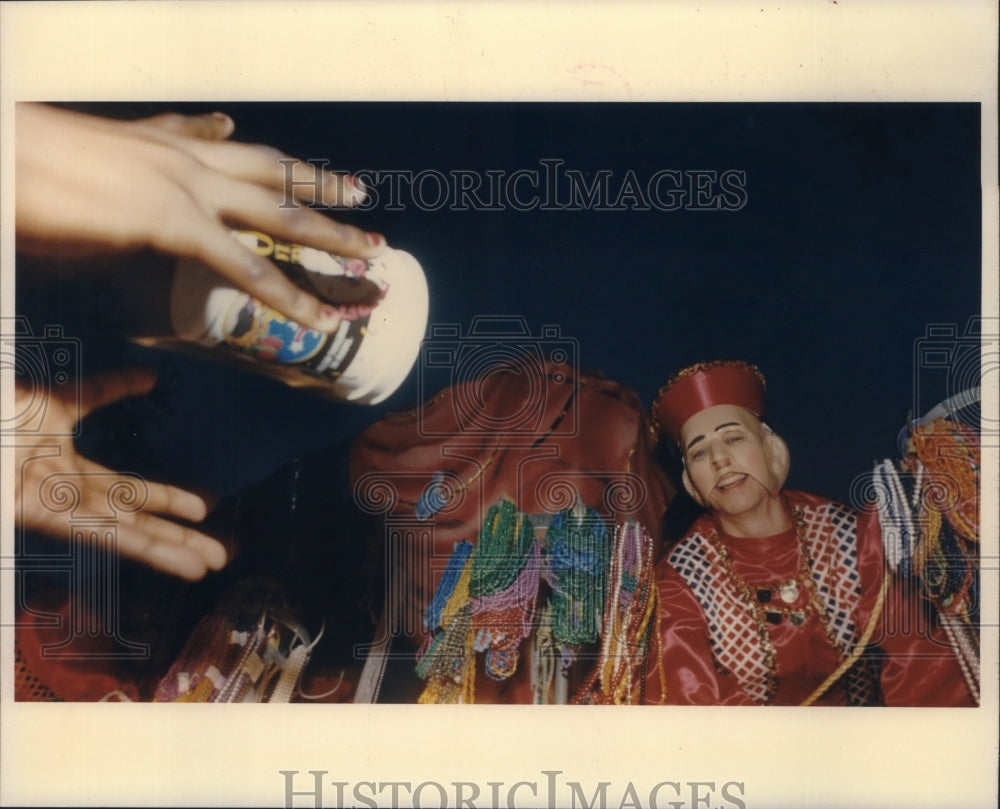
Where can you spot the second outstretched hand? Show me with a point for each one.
(51, 476)
(88, 185)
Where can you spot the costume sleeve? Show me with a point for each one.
(919, 667)
(681, 670)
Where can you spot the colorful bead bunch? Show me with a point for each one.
(945, 464)
(619, 677)
(503, 587)
(489, 602)
(445, 662)
(577, 553)
(950, 455)
(930, 527)
(484, 603)
(947, 561)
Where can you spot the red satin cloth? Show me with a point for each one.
(918, 668)
(47, 669)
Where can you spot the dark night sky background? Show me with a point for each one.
(861, 229)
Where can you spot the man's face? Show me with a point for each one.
(728, 461)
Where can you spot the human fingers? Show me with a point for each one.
(271, 168)
(213, 245)
(173, 501)
(250, 205)
(157, 498)
(138, 534)
(103, 389)
(213, 126)
(169, 547)
(201, 137)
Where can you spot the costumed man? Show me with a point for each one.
(777, 597)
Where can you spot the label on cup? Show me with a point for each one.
(257, 330)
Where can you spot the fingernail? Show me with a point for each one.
(374, 239)
(227, 125)
(354, 187)
(329, 319)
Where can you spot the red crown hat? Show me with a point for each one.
(705, 385)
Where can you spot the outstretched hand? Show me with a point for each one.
(53, 482)
(174, 183)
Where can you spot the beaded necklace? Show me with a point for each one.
(895, 510)
(578, 549)
(503, 586)
(761, 601)
(502, 549)
(486, 602)
(629, 618)
(929, 515)
(946, 455)
(447, 662)
(951, 454)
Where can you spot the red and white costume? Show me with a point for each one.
(727, 637)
